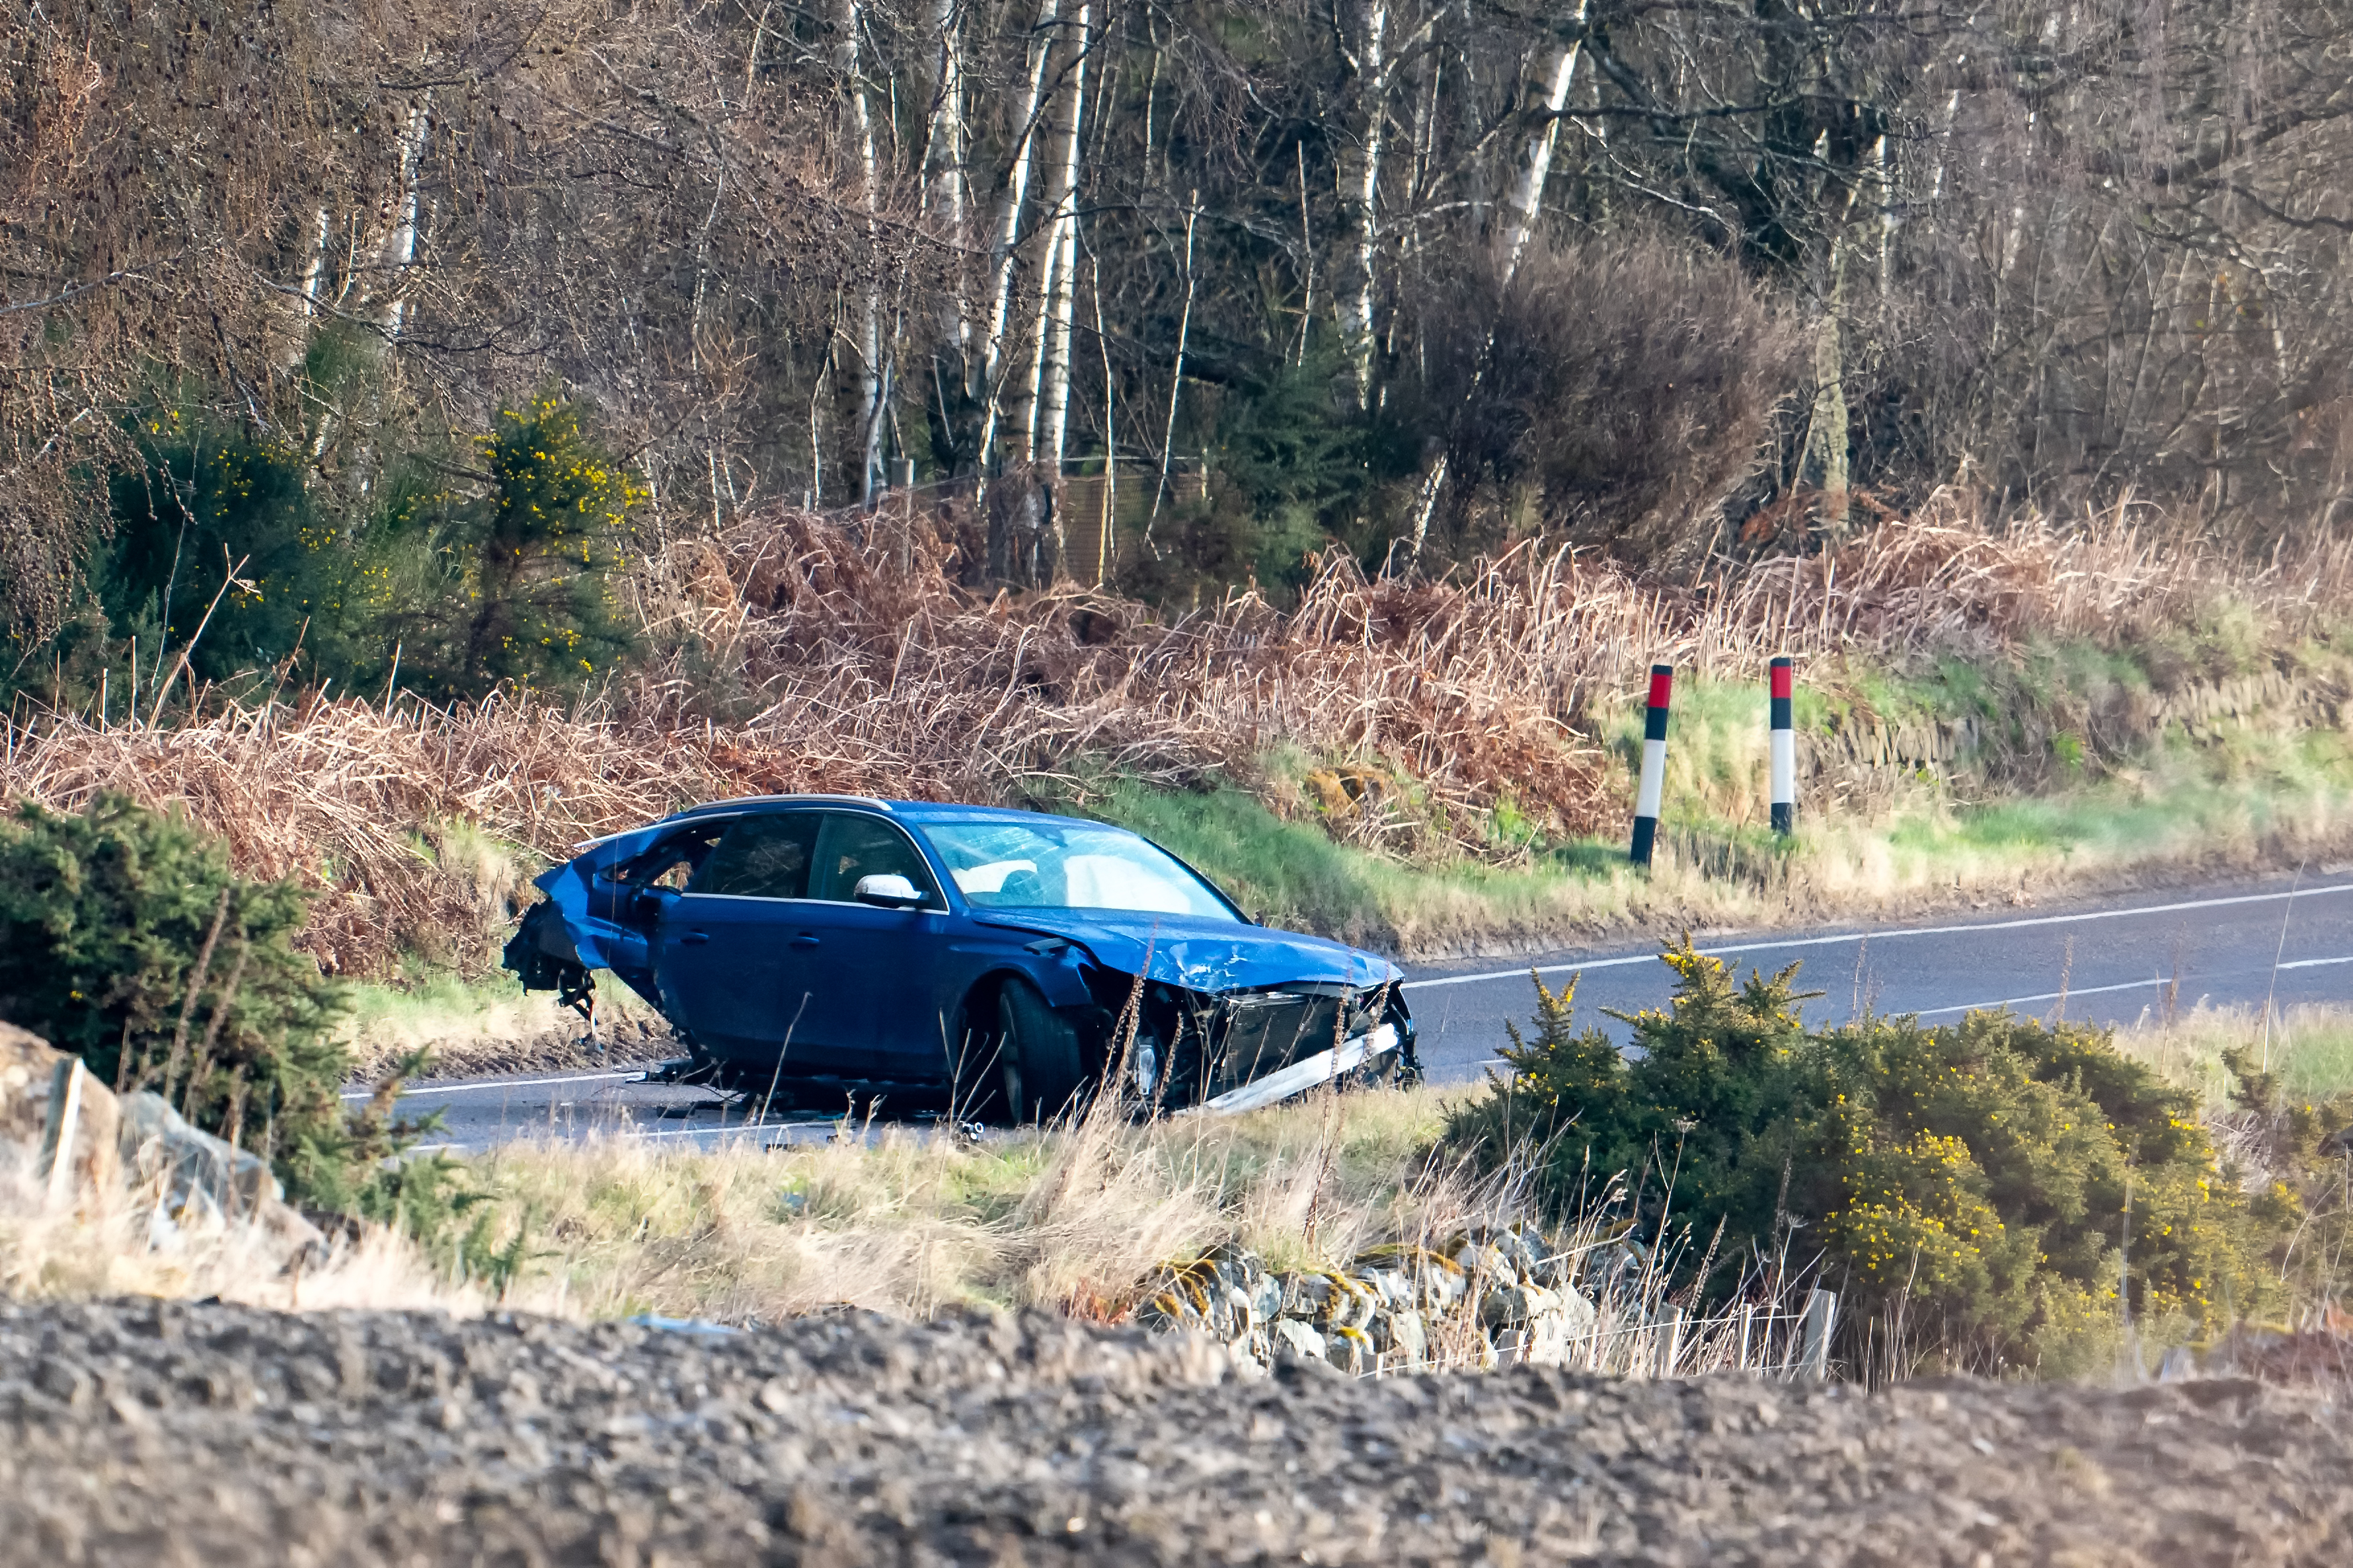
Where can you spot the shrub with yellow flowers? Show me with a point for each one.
(1991, 1184)
(230, 555)
(540, 563)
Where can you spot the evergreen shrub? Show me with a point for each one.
(453, 573)
(1968, 1180)
(126, 937)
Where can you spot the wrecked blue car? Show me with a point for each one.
(1000, 964)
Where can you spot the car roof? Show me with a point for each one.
(917, 811)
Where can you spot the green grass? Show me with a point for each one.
(2248, 798)
(2179, 805)
(427, 998)
(2310, 1048)
(1292, 873)
(467, 1025)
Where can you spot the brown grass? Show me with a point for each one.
(900, 1219)
(841, 670)
(1079, 1219)
(110, 1244)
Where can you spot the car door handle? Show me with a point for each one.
(695, 939)
(805, 940)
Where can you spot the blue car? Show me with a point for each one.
(1002, 965)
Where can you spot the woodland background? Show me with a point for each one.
(451, 330)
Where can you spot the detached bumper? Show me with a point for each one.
(1305, 1073)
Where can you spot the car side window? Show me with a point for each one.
(854, 845)
(763, 856)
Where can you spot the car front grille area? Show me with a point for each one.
(1213, 1045)
(1271, 1030)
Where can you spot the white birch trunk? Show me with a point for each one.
(1106, 542)
(1021, 410)
(400, 245)
(1026, 413)
(1062, 276)
(306, 308)
(1054, 417)
(944, 143)
(1360, 182)
(1004, 255)
(858, 126)
(1176, 376)
(1527, 200)
(946, 179)
(1826, 429)
(317, 269)
(1522, 209)
(1884, 181)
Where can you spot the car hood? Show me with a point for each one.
(1210, 956)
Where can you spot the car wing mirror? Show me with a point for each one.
(887, 890)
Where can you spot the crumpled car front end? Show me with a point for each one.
(1242, 1050)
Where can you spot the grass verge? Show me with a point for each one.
(906, 1221)
(2241, 802)
(911, 1220)
(2309, 1049)
(468, 1026)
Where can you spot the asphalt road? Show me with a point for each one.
(2287, 939)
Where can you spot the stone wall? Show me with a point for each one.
(1495, 1296)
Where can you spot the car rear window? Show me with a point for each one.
(1069, 866)
(764, 857)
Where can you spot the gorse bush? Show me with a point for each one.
(534, 561)
(458, 572)
(2297, 1158)
(125, 938)
(1988, 1185)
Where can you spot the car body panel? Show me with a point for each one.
(1201, 955)
(592, 913)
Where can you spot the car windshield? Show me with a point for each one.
(1068, 866)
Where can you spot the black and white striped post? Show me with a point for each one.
(1785, 749)
(1655, 763)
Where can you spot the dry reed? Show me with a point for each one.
(1080, 1219)
(856, 672)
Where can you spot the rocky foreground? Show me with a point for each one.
(141, 1433)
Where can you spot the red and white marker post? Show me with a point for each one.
(1785, 749)
(1655, 763)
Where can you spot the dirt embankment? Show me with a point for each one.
(144, 1433)
(480, 1050)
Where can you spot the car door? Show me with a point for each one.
(626, 901)
(877, 1008)
(732, 959)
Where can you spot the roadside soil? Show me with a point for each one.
(628, 1042)
(140, 1432)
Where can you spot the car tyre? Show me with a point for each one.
(1037, 1054)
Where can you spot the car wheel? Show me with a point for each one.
(1038, 1053)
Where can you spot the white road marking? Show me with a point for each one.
(2044, 996)
(499, 1083)
(2317, 962)
(738, 1131)
(1891, 933)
